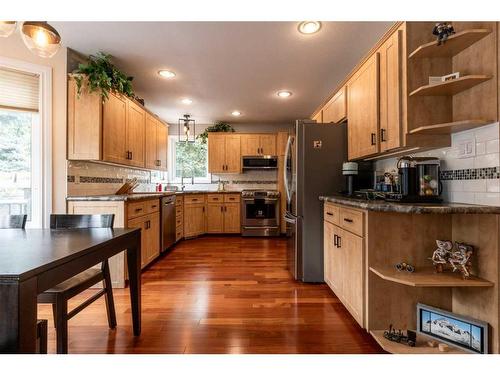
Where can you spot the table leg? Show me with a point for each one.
(18, 316)
(134, 275)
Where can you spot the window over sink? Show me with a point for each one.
(188, 162)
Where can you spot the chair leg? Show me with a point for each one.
(62, 325)
(110, 304)
(54, 313)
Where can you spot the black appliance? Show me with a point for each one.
(260, 162)
(419, 180)
(312, 167)
(358, 176)
(260, 213)
(167, 222)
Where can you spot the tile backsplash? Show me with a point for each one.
(88, 178)
(467, 178)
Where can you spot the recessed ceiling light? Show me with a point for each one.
(309, 27)
(284, 93)
(166, 73)
(186, 101)
(236, 113)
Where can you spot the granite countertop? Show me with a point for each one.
(411, 208)
(142, 195)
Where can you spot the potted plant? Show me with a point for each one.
(219, 126)
(99, 74)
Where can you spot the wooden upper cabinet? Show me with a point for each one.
(390, 93)
(281, 141)
(84, 124)
(136, 122)
(156, 144)
(224, 153)
(114, 120)
(363, 110)
(258, 144)
(162, 145)
(336, 109)
(318, 117)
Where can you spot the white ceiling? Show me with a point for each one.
(226, 66)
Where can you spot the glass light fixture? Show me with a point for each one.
(186, 129)
(41, 38)
(236, 113)
(187, 101)
(166, 73)
(284, 93)
(309, 27)
(7, 28)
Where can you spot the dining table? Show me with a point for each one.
(35, 260)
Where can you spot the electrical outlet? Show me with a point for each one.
(466, 148)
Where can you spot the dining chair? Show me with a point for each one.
(59, 295)
(13, 221)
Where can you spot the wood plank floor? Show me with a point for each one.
(221, 295)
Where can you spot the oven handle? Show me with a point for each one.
(266, 200)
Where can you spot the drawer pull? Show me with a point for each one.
(138, 209)
(194, 199)
(339, 241)
(335, 237)
(153, 206)
(348, 220)
(329, 214)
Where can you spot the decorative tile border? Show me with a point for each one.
(471, 174)
(104, 180)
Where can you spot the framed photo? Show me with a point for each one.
(465, 333)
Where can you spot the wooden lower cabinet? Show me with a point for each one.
(223, 217)
(194, 219)
(215, 218)
(344, 267)
(150, 236)
(232, 218)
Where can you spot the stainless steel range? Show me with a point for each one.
(260, 213)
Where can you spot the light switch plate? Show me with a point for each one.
(466, 148)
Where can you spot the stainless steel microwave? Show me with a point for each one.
(260, 162)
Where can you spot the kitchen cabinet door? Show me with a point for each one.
(136, 120)
(327, 251)
(232, 218)
(151, 152)
(114, 140)
(336, 109)
(232, 153)
(390, 93)
(194, 219)
(363, 110)
(141, 224)
(268, 144)
(250, 144)
(215, 218)
(338, 255)
(352, 246)
(152, 233)
(318, 117)
(216, 153)
(162, 145)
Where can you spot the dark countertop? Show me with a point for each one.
(411, 208)
(142, 196)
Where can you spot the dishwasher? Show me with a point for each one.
(167, 222)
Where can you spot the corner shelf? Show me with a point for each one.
(455, 44)
(426, 277)
(421, 346)
(451, 87)
(450, 127)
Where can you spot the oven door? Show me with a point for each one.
(260, 212)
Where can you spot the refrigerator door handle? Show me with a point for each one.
(285, 177)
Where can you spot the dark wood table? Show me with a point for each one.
(34, 260)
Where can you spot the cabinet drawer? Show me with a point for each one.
(179, 233)
(179, 220)
(231, 198)
(179, 200)
(136, 209)
(332, 213)
(152, 206)
(352, 221)
(194, 198)
(178, 211)
(215, 198)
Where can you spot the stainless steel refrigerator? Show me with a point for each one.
(313, 167)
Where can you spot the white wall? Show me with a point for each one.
(14, 48)
(471, 184)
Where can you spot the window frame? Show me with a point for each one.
(172, 139)
(41, 156)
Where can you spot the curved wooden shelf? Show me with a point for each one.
(455, 44)
(451, 87)
(420, 348)
(426, 277)
(450, 127)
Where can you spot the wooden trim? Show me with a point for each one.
(374, 49)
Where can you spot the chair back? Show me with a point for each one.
(63, 221)
(13, 221)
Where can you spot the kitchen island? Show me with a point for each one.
(364, 240)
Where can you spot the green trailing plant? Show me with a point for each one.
(219, 126)
(100, 74)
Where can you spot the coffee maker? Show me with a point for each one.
(359, 176)
(419, 180)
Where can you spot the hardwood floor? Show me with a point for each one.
(221, 295)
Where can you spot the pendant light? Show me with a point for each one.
(7, 28)
(187, 129)
(41, 38)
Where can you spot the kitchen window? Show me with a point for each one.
(24, 145)
(188, 161)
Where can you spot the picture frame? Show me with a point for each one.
(470, 335)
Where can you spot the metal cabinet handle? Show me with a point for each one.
(221, 208)
(382, 135)
(348, 220)
(225, 208)
(339, 241)
(138, 209)
(335, 237)
(329, 214)
(374, 139)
